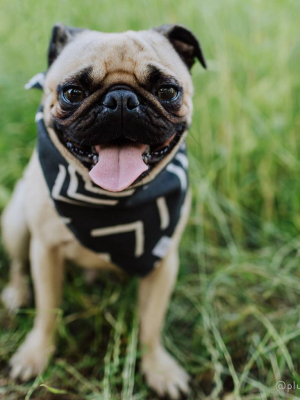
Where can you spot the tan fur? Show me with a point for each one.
(116, 58)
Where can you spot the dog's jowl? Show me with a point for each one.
(107, 185)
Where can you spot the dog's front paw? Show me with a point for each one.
(163, 374)
(32, 356)
(15, 296)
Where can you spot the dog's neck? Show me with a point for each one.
(147, 213)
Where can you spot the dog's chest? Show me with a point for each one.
(132, 229)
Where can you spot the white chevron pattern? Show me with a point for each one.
(137, 227)
(73, 196)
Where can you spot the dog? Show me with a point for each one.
(107, 185)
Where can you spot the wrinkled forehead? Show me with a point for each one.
(108, 57)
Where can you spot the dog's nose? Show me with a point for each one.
(118, 100)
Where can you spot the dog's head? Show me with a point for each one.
(120, 102)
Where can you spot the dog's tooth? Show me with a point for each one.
(69, 145)
(146, 158)
(161, 152)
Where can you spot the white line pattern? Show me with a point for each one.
(61, 176)
(72, 190)
(174, 169)
(162, 247)
(137, 227)
(38, 116)
(182, 158)
(163, 212)
(38, 78)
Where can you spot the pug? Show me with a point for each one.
(107, 185)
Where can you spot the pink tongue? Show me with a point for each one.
(118, 166)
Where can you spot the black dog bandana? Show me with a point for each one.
(134, 228)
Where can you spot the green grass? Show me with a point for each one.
(234, 320)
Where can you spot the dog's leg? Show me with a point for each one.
(16, 241)
(47, 273)
(162, 372)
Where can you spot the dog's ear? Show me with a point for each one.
(185, 43)
(61, 36)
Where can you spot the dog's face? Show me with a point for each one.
(120, 102)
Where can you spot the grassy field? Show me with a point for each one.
(234, 320)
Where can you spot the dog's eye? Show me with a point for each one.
(167, 93)
(73, 95)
